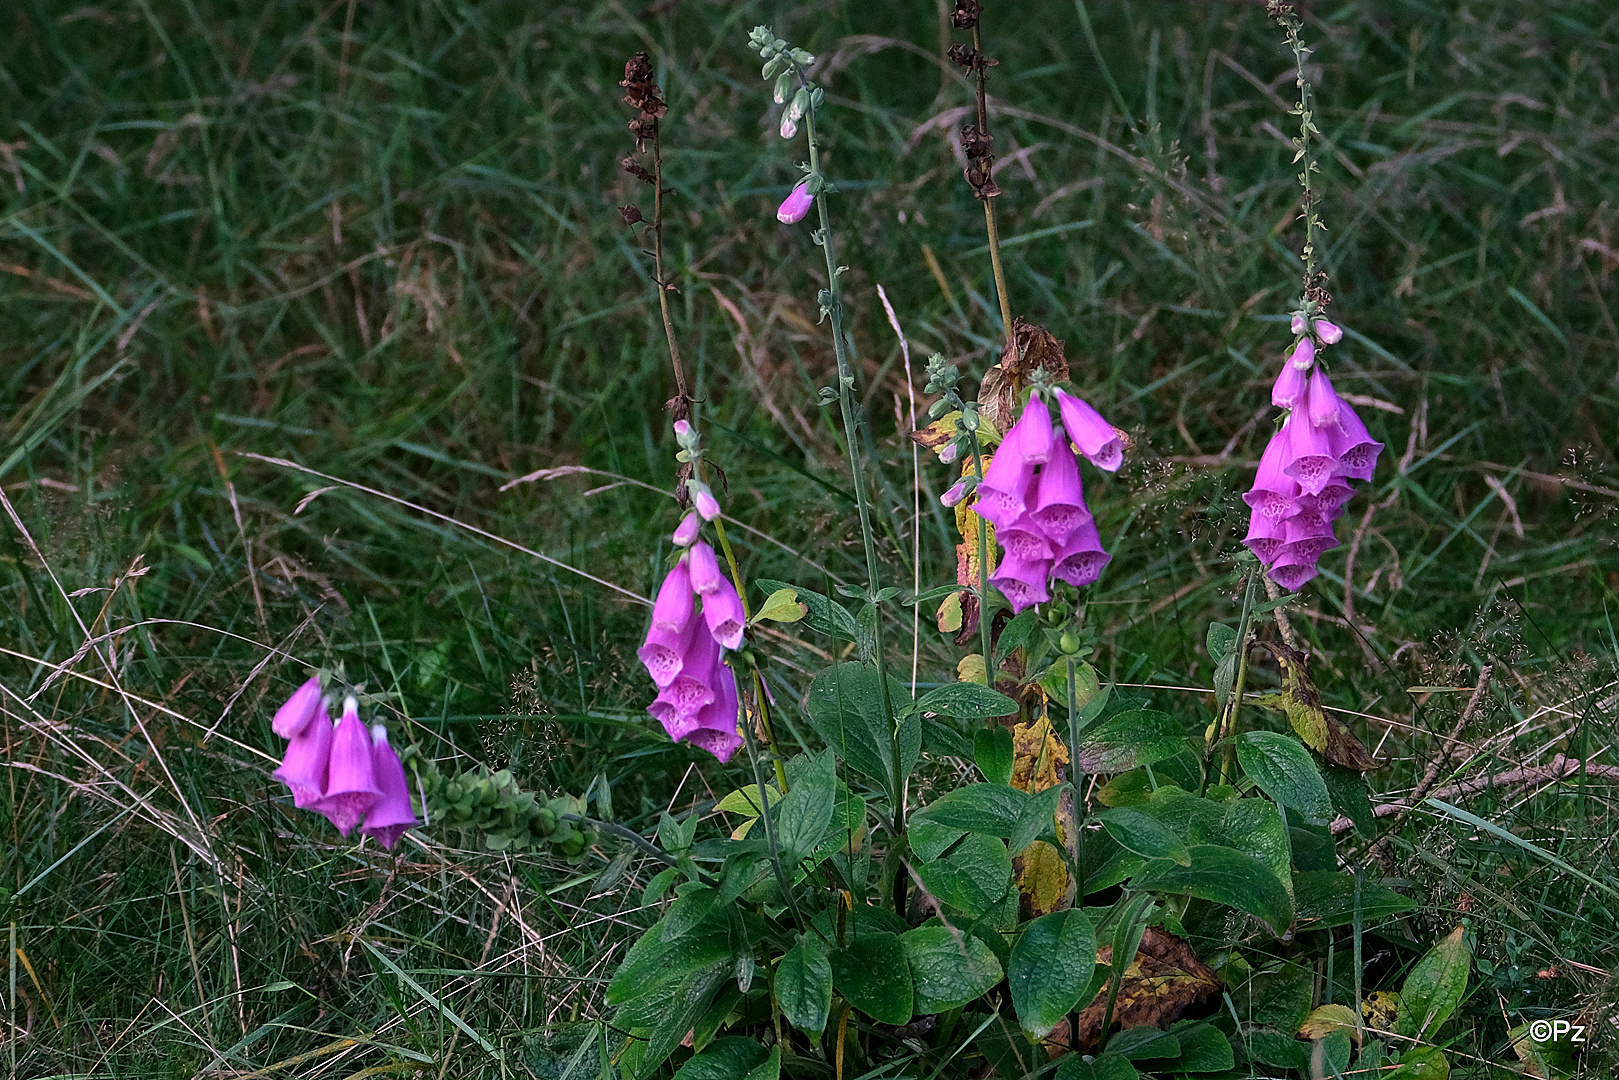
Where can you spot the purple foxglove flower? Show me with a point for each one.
(1356, 449)
(1289, 387)
(795, 205)
(1031, 437)
(391, 816)
(1266, 536)
(1059, 499)
(708, 507)
(682, 427)
(693, 687)
(664, 652)
(1323, 400)
(705, 569)
(722, 610)
(788, 128)
(686, 531)
(1274, 492)
(671, 611)
(1329, 501)
(1298, 325)
(955, 493)
(1023, 583)
(1093, 435)
(1081, 559)
(951, 451)
(1024, 542)
(1007, 483)
(1303, 355)
(1307, 453)
(1307, 537)
(304, 769)
(1291, 572)
(351, 783)
(1329, 333)
(297, 711)
(716, 726)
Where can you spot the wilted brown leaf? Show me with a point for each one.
(1043, 880)
(1301, 701)
(1164, 983)
(1033, 347)
(1036, 753)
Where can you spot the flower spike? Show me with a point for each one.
(351, 789)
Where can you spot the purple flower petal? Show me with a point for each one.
(1307, 454)
(664, 652)
(304, 769)
(722, 610)
(298, 710)
(1329, 333)
(351, 785)
(672, 610)
(1274, 491)
(1059, 502)
(1022, 583)
(1007, 479)
(1093, 435)
(1303, 355)
(1024, 542)
(686, 532)
(1031, 437)
(1291, 573)
(1356, 449)
(1266, 536)
(1323, 400)
(1081, 559)
(392, 815)
(705, 569)
(795, 205)
(1289, 388)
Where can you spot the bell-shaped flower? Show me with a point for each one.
(673, 608)
(1007, 481)
(1093, 435)
(1323, 400)
(1080, 560)
(1307, 536)
(1059, 499)
(1355, 448)
(297, 711)
(706, 576)
(392, 815)
(1022, 582)
(1031, 437)
(351, 784)
(702, 498)
(1308, 456)
(715, 729)
(1291, 572)
(1266, 536)
(686, 531)
(1273, 493)
(692, 687)
(1329, 501)
(1329, 333)
(722, 611)
(795, 205)
(305, 767)
(1289, 387)
(663, 654)
(1024, 540)
(1303, 354)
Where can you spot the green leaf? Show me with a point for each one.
(1144, 835)
(825, 615)
(1435, 987)
(802, 817)
(1145, 1044)
(943, 740)
(992, 809)
(1109, 1066)
(1285, 771)
(1428, 1063)
(1129, 740)
(948, 968)
(653, 966)
(964, 701)
(691, 908)
(782, 606)
(845, 707)
(658, 886)
(1224, 876)
(804, 985)
(973, 877)
(1050, 968)
(733, 1058)
(1204, 1048)
(874, 975)
(1219, 641)
(746, 801)
(1347, 789)
(992, 751)
(1038, 815)
(1014, 635)
(1326, 899)
(1279, 1049)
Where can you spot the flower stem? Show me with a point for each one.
(983, 575)
(1228, 726)
(849, 408)
(989, 207)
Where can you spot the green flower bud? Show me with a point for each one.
(784, 86)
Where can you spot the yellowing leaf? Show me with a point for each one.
(971, 669)
(1301, 701)
(1036, 753)
(1380, 1008)
(1327, 1019)
(949, 614)
(782, 606)
(1042, 878)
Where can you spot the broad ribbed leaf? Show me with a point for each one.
(1224, 876)
(1050, 968)
(949, 968)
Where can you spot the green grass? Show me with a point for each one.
(390, 254)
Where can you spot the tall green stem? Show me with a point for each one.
(851, 423)
(983, 576)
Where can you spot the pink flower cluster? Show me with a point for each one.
(1302, 483)
(343, 771)
(1032, 493)
(684, 649)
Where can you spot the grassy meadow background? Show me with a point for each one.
(378, 241)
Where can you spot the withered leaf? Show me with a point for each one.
(1165, 982)
(1042, 880)
(1301, 701)
(1036, 753)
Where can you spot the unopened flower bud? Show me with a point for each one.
(1329, 333)
(795, 205)
(703, 500)
(951, 451)
(1303, 354)
(686, 532)
(788, 128)
(956, 493)
(1298, 325)
(800, 105)
(784, 84)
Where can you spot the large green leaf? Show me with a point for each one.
(1204, 1048)
(1038, 815)
(1224, 876)
(845, 707)
(654, 967)
(964, 701)
(1109, 1066)
(874, 975)
(973, 877)
(1050, 968)
(734, 1058)
(1144, 835)
(1326, 898)
(1146, 1044)
(993, 754)
(948, 967)
(1285, 771)
(804, 985)
(1130, 740)
(992, 809)
(802, 817)
(1435, 987)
